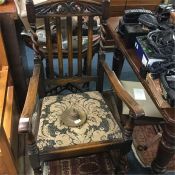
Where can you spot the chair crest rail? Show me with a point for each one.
(70, 7)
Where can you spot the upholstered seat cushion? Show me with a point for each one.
(99, 126)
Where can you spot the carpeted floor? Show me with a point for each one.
(96, 164)
(143, 135)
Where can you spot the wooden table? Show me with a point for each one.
(166, 148)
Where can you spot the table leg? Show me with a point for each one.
(166, 149)
(118, 61)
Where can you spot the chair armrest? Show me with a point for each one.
(30, 101)
(133, 106)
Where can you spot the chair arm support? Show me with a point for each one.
(30, 101)
(134, 107)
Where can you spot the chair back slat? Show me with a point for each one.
(49, 47)
(59, 47)
(79, 45)
(73, 37)
(70, 49)
(90, 42)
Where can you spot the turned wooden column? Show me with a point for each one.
(166, 149)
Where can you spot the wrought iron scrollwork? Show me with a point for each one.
(69, 7)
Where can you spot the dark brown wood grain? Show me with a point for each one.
(79, 45)
(49, 47)
(117, 7)
(70, 49)
(63, 81)
(59, 46)
(89, 54)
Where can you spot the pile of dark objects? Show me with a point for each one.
(161, 37)
(162, 40)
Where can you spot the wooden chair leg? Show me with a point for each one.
(47, 69)
(34, 158)
(166, 149)
(118, 60)
(128, 128)
(119, 161)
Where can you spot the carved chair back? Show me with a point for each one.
(54, 11)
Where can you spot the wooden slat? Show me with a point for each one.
(59, 47)
(90, 37)
(49, 47)
(70, 49)
(7, 123)
(100, 72)
(3, 91)
(79, 45)
(63, 81)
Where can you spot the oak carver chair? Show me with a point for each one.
(75, 123)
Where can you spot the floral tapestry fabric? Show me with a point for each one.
(99, 126)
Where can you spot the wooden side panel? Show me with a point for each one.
(141, 2)
(8, 113)
(3, 91)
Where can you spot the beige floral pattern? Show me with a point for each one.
(99, 126)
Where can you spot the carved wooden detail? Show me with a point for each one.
(72, 7)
